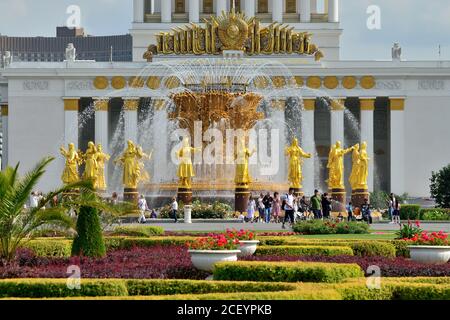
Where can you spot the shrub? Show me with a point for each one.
(200, 210)
(138, 231)
(401, 248)
(89, 239)
(304, 250)
(409, 212)
(440, 187)
(373, 249)
(128, 243)
(285, 271)
(379, 200)
(328, 227)
(435, 214)
(50, 248)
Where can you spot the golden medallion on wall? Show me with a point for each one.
(260, 82)
(136, 82)
(299, 81)
(233, 31)
(279, 81)
(172, 82)
(314, 82)
(331, 82)
(367, 82)
(118, 82)
(101, 83)
(153, 82)
(349, 82)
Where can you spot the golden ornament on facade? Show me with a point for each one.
(101, 105)
(314, 82)
(131, 104)
(118, 82)
(136, 82)
(233, 30)
(331, 82)
(367, 82)
(299, 81)
(154, 82)
(261, 82)
(279, 104)
(349, 82)
(279, 81)
(101, 83)
(172, 82)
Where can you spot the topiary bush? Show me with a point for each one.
(89, 240)
(373, 249)
(440, 187)
(304, 251)
(409, 212)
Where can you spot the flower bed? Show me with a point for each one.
(313, 227)
(398, 267)
(162, 262)
(304, 250)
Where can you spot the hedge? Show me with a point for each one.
(410, 211)
(139, 231)
(89, 239)
(304, 250)
(285, 271)
(313, 227)
(59, 248)
(373, 249)
(435, 214)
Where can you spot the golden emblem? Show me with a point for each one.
(101, 83)
(233, 30)
(118, 82)
(367, 82)
(349, 82)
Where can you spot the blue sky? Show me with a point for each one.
(420, 26)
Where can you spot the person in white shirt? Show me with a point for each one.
(174, 207)
(251, 207)
(143, 207)
(289, 208)
(34, 200)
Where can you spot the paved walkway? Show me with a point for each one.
(277, 227)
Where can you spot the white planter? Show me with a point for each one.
(430, 254)
(247, 247)
(205, 259)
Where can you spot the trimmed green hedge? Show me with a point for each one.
(373, 249)
(59, 248)
(313, 227)
(410, 211)
(304, 250)
(435, 214)
(138, 231)
(286, 271)
(89, 239)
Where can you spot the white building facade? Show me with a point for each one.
(401, 108)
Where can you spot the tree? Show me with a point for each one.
(440, 187)
(18, 224)
(89, 240)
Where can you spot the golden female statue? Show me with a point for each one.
(363, 167)
(353, 179)
(133, 171)
(90, 169)
(296, 155)
(70, 173)
(336, 166)
(101, 158)
(185, 168)
(243, 155)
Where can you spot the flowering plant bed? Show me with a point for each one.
(409, 230)
(241, 235)
(429, 239)
(214, 242)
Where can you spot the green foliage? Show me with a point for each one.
(401, 248)
(286, 271)
(50, 248)
(127, 243)
(440, 187)
(89, 239)
(379, 200)
(409, 212)
(304, 250)
(200, 210)
(138, 231)
(327, 227)
(373, 249)
(408, 230)
(435, 214)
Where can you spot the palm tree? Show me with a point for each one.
(17, 224)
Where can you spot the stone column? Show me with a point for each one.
(367, 134)
(277, 11)
(333, 10)
(305, 11)
(221, 5)
(250, 8)
(307, 142)
(71, 107)
(4, 156)
(166, 11)
(397, 107)
(138, 11)
(130, 107)
(194, 11)
(337, 120)
(101, 122)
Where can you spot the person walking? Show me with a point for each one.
(34, 200)
(268, 202)
(174, 209)
(396, 211)
(143, 207)
(365, 211)
(251, 207)
(326, 206)
(289, 208)
(276, 209)
(316, 204)
(391, 204)
(261, 208)
(350, 212)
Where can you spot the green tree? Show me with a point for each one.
(440, 187)
(17, 224)
(89, 239)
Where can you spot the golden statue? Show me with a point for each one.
(70, 173)
(353, 179)
(363, 171)
(90, 169)
(185, 168)
(133, 171)
(336, 166)
(243, 155)
(296, 155)
(101, 158)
